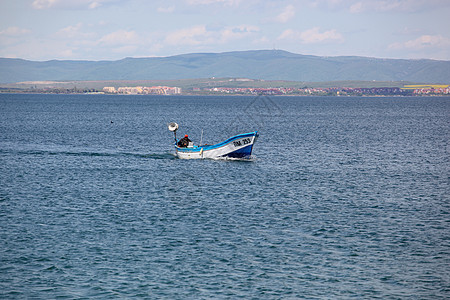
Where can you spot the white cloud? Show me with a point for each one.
(69, 4)
(68, 53)
(169, 9)
(125, 49)
(357, 7)
(206, 2)
(287, 14)
(120, 37)
(261, 40)
(189, 36)
(74, 31)
(200, 35)
(423, 42)
(35, 49)
(312, 36)
(43, 4)
(289, 34)
(329, 4)
(13, 36)
(237, 32)
(383, 6)
(14, 31)
(94, 4)
(360, 6)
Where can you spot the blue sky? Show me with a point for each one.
(114, 29)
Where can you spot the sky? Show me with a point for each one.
(114, 29)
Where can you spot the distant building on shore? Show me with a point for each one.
(337, 91)
(143, 90)
(109, 90)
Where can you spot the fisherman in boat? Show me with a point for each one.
(184, 142)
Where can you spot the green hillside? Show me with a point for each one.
(262, 64)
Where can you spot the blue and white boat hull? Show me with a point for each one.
(238, 146)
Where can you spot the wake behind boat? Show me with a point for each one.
(238, 146)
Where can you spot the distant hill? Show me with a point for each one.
(260, 64)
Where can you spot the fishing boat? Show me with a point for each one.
(239, 146)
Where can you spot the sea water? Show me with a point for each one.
(345, 197)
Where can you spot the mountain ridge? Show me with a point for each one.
(255, 64)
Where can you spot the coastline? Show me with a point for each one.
(229, 86)
(217, 95)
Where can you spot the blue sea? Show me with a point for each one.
(344, 198)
